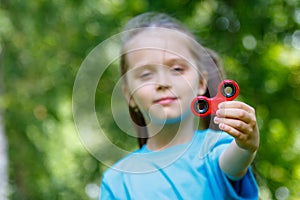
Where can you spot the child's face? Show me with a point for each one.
(162, 75)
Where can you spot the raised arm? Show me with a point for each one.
(238, 119)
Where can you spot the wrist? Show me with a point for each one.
(252, 149)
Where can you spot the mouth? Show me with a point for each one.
(165, 100)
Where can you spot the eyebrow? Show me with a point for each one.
(166, 63)
(177, 60)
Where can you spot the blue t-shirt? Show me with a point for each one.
(186, 171)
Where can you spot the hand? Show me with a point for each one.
(238, 119)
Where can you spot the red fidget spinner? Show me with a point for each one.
(202, 106)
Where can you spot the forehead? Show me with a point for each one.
(158, 44)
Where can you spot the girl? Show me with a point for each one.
(163, 70)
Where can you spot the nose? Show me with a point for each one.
(163, 80)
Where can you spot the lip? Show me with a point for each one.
(165, 100)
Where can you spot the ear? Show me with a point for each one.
(202, 83)
(128, 96)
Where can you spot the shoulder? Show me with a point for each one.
(136, 162)
(125, 164)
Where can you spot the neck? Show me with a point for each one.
(170, 135)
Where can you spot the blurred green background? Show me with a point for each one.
(43, 44)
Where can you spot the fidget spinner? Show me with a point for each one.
(202, 106)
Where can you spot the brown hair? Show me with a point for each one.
(152, 19)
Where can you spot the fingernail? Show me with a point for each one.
(216, 120)
(220, 105)
(221, 126)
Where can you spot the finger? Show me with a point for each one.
(236, 124)
(237, 105)
(231, 131)
(241, 138)
(246, 141)
(234, 113)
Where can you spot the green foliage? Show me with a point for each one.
(45, 42)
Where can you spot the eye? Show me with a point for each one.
(178, 68)
(146, 74)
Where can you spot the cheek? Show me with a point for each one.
(142, 96)
(188, 87)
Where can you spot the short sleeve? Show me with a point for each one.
(245, 188)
